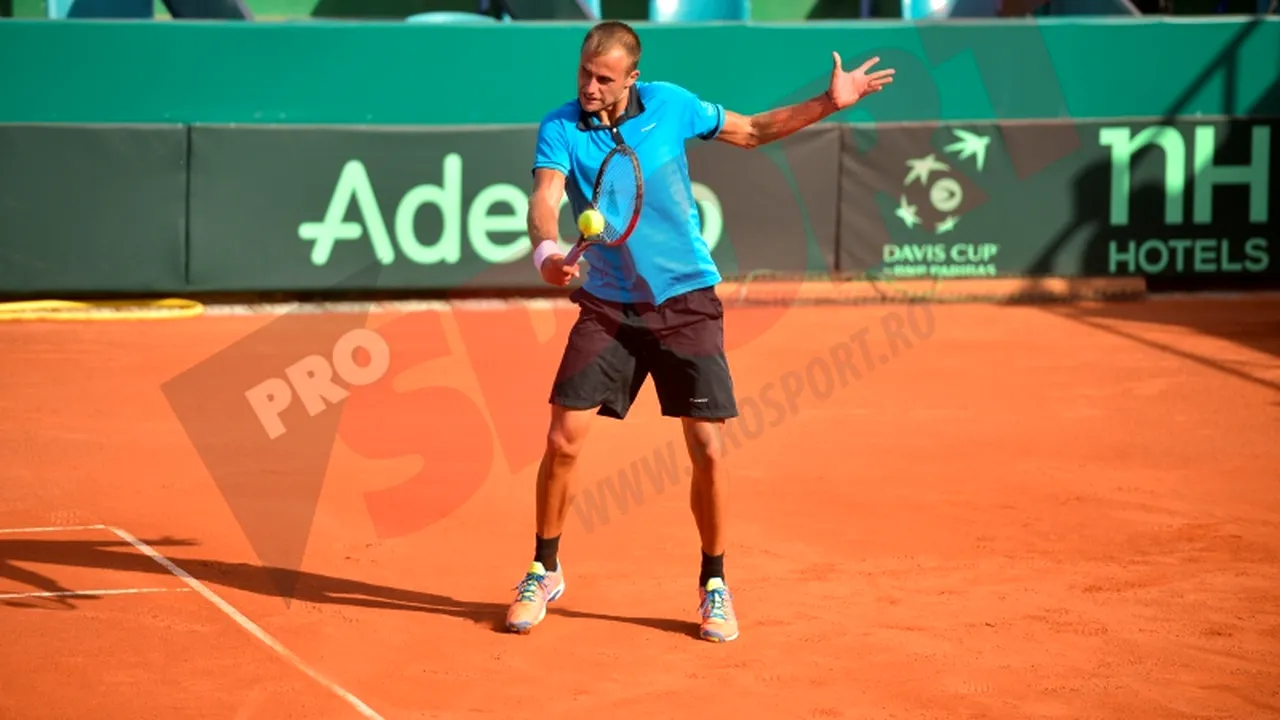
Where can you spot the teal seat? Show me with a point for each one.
(681, 11)
(450, 17)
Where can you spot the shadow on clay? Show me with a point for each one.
(308, 587)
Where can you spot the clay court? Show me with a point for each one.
(942, 510)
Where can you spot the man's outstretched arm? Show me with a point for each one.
(749, 131)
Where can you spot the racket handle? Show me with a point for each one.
(575, 253)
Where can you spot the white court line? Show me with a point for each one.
(246, 623)
(55, 528)
(82, 593)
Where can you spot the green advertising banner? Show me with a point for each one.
(114, 210)
(1185, 204)
(286, 208)
(92, 209)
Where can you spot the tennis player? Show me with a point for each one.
(648, 307)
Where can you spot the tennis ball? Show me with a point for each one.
(591, 222)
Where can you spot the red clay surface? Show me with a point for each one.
(1033, 512)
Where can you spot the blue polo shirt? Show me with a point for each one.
(666, 254)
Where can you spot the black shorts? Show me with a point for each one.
(613, 347)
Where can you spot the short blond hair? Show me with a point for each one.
(612, 34)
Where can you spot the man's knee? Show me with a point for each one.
(706, 443)
(567, 433)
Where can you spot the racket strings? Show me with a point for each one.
(619, 192)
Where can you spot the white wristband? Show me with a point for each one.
(545, 249)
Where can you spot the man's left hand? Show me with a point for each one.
(848, 88)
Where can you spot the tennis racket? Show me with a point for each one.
(617, 195)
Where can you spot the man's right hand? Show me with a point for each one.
(555, 271)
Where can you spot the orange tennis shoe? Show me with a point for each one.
(538, 588)
(719, 623)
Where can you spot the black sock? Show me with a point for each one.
(546, 551)
(712, 567)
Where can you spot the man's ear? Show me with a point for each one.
(635, 75)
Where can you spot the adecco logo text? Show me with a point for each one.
(497, 208)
